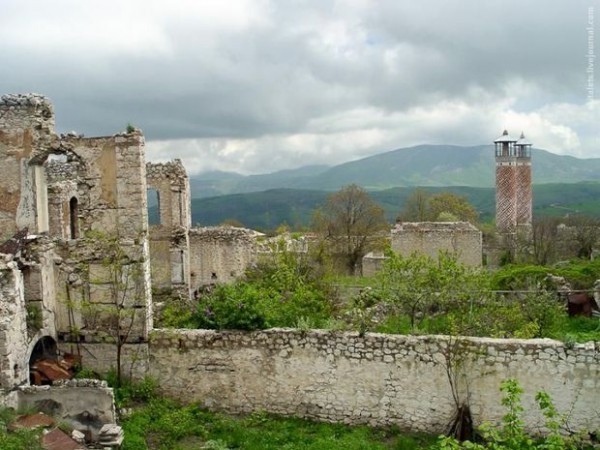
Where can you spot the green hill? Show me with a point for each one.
(266, 210)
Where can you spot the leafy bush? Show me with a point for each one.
(581, 274)
(511, 435)
(175, 314)
(130, 392)
(233, 306)
(274, 293)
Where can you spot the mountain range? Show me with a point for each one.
(562, 185)
(423, 165)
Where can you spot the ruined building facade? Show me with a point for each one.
(513, 183)
(79, 263)
(76, 274)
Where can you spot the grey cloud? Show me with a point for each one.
(302, 68)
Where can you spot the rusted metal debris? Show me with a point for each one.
(32, 421)
(59, 440)
(581, 304)
(46, 371)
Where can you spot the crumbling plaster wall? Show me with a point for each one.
(14, 339)
(44, 177)
(220, 254)
(26, 125)
(112, 184)
(429, 238)
(374, 379)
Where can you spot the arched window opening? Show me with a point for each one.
(43, 355)
(153, 206)
(73, 218)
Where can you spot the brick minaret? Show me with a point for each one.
(513, 183)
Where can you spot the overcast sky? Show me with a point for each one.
(255, 86)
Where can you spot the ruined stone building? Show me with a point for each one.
(513, 183)
(460, 239)
(76, 207)
(80, 263)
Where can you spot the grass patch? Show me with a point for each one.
(163, 424)
(18, 439)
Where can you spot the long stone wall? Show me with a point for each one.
(375, 379)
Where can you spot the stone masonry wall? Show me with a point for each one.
(375, 379)
(14, 340)
(429, 238)
(26, 123)
(169, 240)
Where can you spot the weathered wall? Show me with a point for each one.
(220, 254)
(92, 313)
(429, 238)
(26, 124)
(112, 184)
(169, 240)
(375, 379)
(14, 339)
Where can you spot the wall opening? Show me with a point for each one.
(44, 349)
(153, 197)
(73, 218)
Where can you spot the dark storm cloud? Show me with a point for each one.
(273, 83)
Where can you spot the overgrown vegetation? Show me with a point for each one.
(511, 435)
(17, 439)
(277, 292)
(411, 295)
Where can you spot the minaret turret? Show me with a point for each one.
(513, 183)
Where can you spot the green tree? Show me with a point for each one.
(349, 224)
(584, 232)
(416, 207)
(456, 205)
(544, 240)
(419, 286)
(443, 207)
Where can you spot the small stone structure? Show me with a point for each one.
(221, 254)
(82, 404)
(429, 238)
(372, 263)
